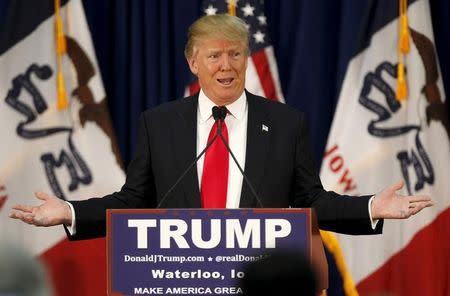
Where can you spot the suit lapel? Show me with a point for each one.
(186, 152)
(258, 140)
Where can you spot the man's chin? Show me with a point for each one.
(225, 99)
(228, 97)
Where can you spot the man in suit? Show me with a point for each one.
(270, 138)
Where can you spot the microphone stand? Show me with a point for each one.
(219, 114)
(219, 132)
(186, 171)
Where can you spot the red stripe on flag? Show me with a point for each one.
(265, 75)
(421, 268)
(194, 88)
(2, 201)
(3, 197)
(77, 268)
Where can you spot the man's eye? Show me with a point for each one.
(236, 54)
(213, 56)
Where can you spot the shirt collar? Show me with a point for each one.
(237, 108)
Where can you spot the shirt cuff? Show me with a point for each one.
(373, 222)
(72, 228)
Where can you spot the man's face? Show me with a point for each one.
(220, 66)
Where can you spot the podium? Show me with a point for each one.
(202, 251)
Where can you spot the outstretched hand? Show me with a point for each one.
(53, 211)
(389, 205)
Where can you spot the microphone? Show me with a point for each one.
(219, 113)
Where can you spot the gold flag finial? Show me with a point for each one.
(232, 7)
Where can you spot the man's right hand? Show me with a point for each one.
(53, 211)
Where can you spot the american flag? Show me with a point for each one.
(262, 73)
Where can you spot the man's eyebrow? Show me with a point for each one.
(234, 47)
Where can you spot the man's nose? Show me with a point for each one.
(225, 64)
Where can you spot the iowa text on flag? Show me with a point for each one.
(377, 140)
(262, 74)
(68, 151)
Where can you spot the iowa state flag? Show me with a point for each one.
(377, 140)
(68, 151)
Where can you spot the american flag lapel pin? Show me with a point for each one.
(265, 128)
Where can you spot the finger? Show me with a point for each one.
(397, 186)
(16, 215)
(427, 204)
(27, 218)
(23, 208)
(42, 196)
(418, 198)
(424, 204)
(420, 207)
(416, 210)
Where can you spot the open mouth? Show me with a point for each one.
(225, 81)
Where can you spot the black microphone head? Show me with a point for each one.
(216, 112)
(219, 113)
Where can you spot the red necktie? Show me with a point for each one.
(215, 171)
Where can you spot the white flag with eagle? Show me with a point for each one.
(377, 140)
(56, 134)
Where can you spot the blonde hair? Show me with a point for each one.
(216, 26)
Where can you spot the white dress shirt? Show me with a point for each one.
(236, 122)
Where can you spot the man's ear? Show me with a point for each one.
(193, 65)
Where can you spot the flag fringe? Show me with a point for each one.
(332, 244)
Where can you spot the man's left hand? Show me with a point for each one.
(389, 205)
